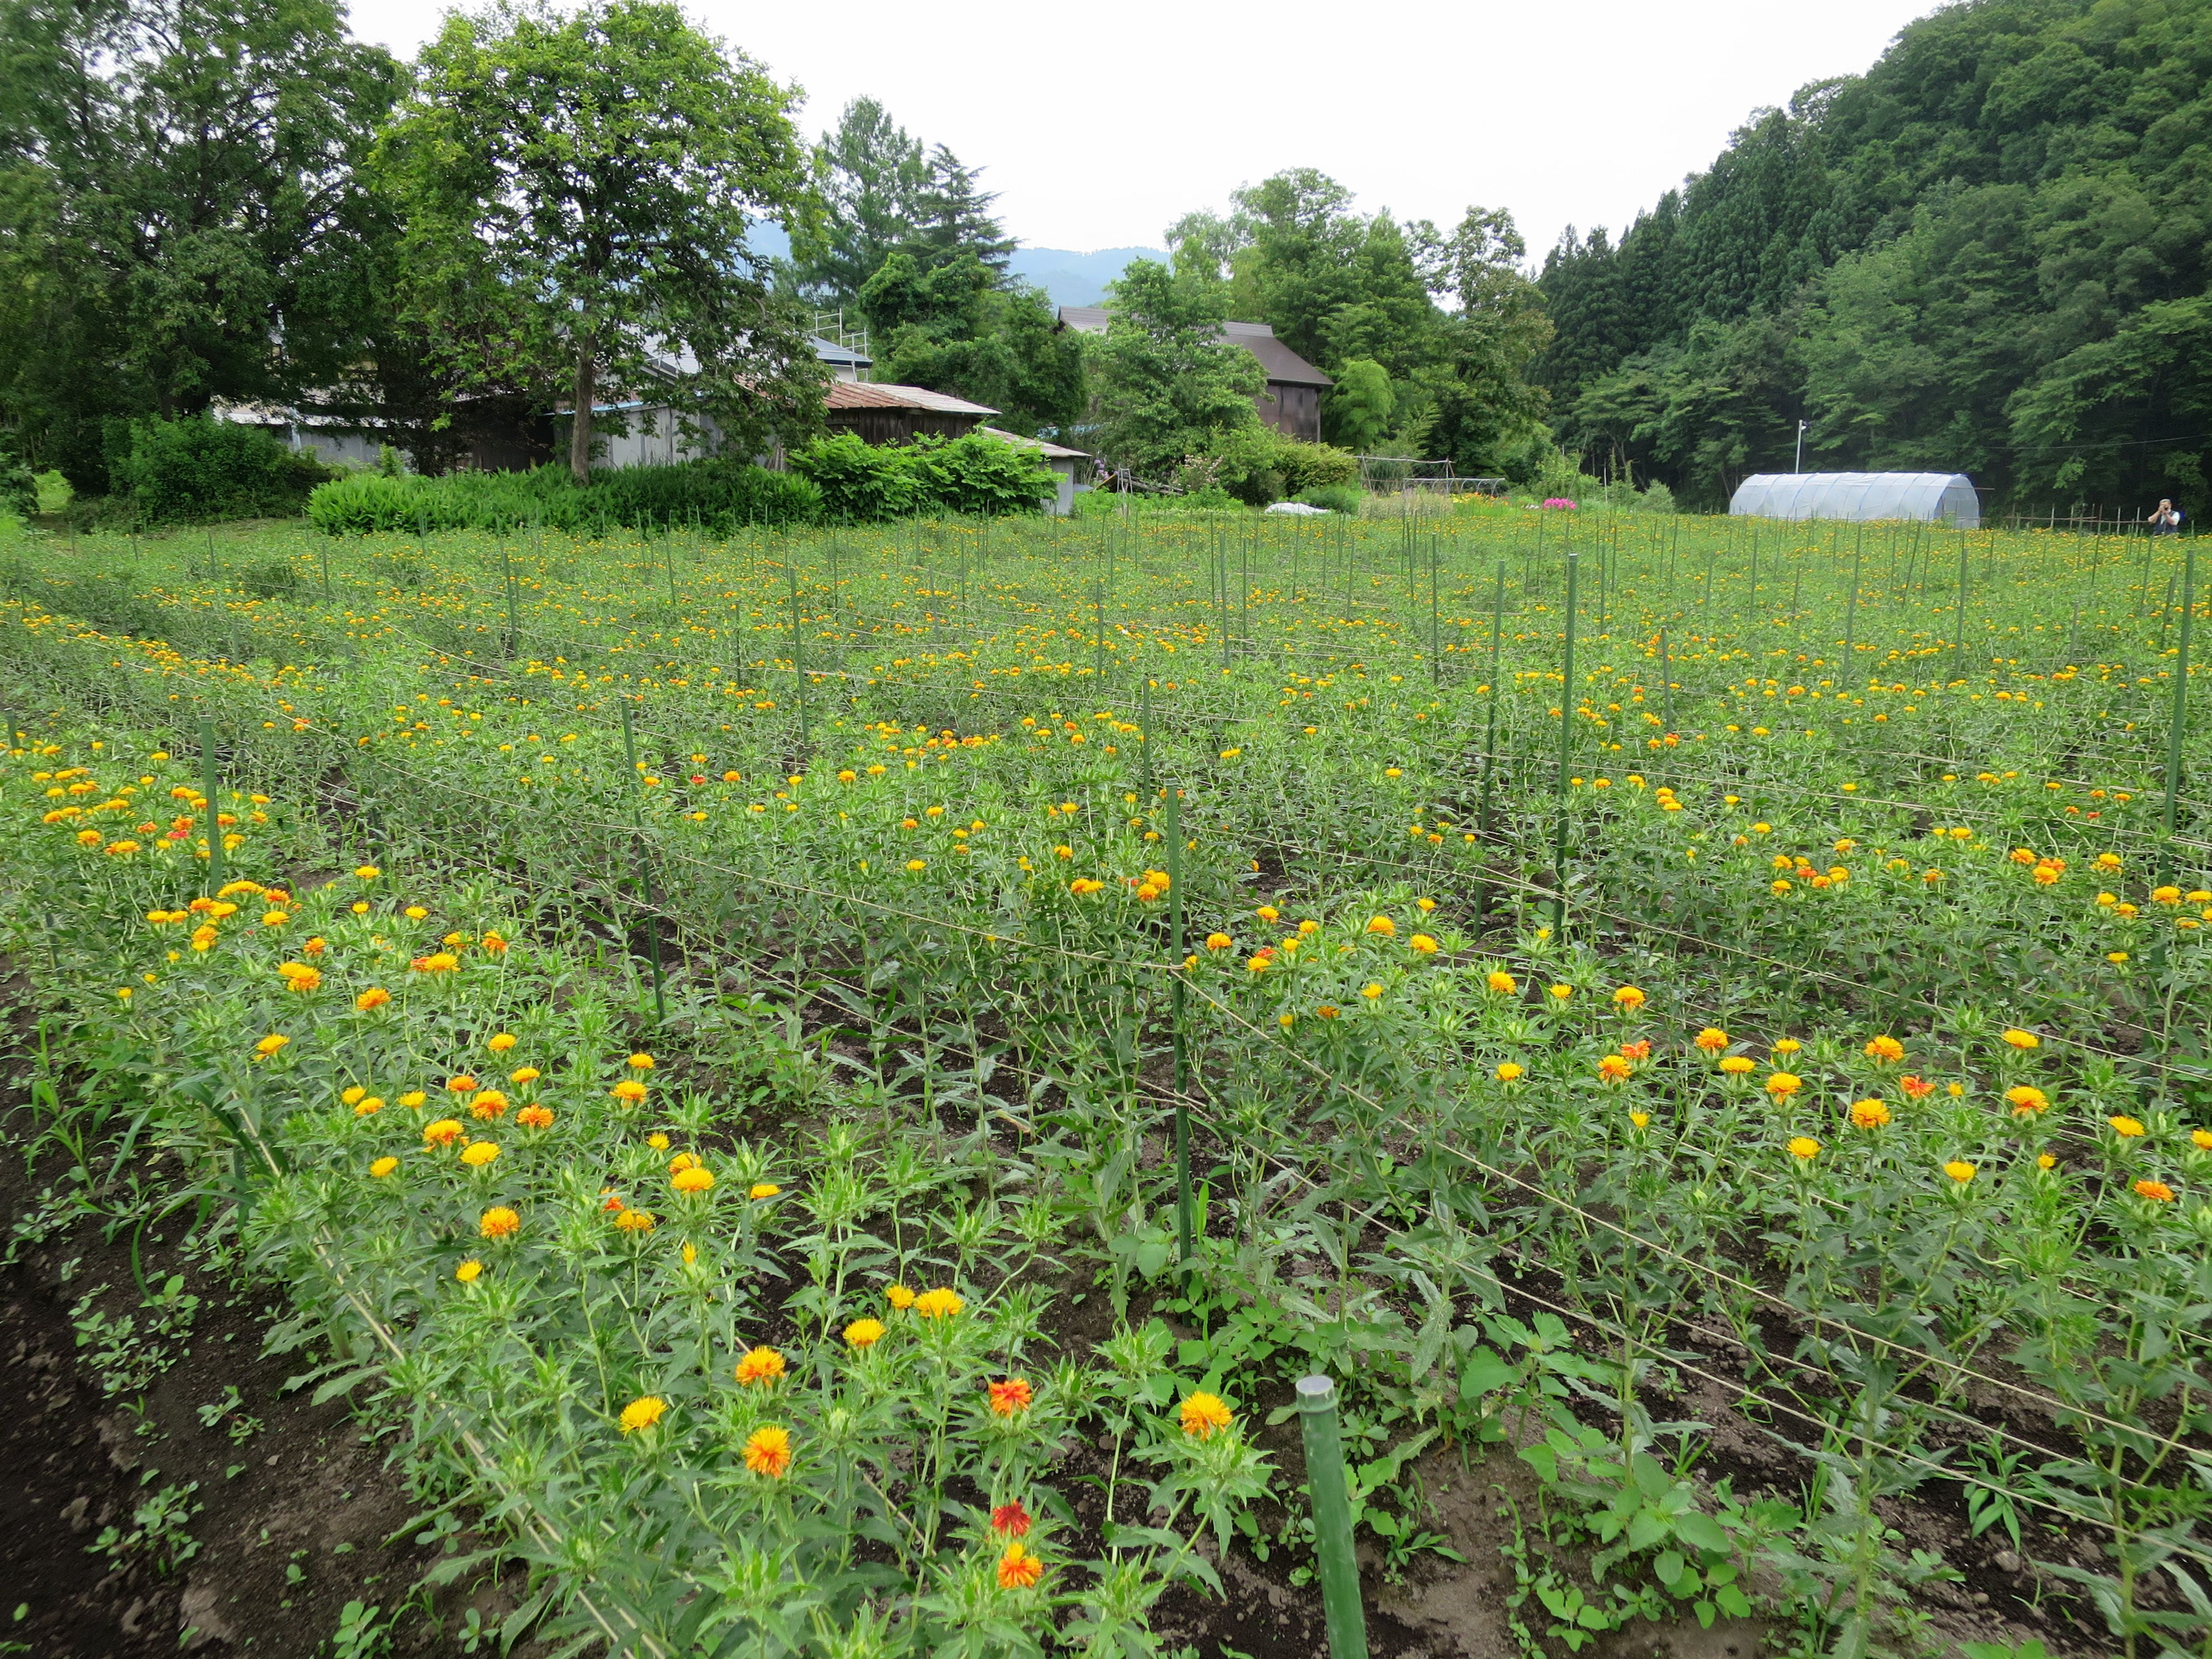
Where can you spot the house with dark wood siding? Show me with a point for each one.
(1291, 402)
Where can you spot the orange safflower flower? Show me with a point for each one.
(1205, 1415)
(760, 1367)
(1018, 1569)
(1010, 1397)
(767, 1452)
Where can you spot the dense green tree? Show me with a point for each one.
(1335, 284)
(1988, 253)
(871, 177)
(178, 210)
(1360, 406)
(577, 188)
(1488, 417)
(1167, 384)
(908, 239)
(958, 327)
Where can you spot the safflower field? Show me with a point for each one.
(826, 1085)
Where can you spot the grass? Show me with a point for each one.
(1801, 996)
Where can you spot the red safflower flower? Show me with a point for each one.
(1011, 1520)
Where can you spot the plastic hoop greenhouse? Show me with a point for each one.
(1855, 497)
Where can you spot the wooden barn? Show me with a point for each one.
(1291, 402)
(899, 414)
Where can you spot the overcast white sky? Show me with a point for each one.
(1099, 125)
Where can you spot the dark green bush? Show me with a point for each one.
(977, 476)
(201, 468)
(19, 487)
(860, 482)
(972, 476)
(1258, 465)
(719, 495)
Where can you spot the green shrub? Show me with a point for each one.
(19, 488)
(974, 475)
(860, 482)
(201, 468)
(1259, 465)
(977, 476)
(1337, 498)
(719, 495)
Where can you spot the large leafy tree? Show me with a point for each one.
(1348, 291)
(957, 326)
(1168, 384)
(1488, 417)
(179, 214)
(576, 191)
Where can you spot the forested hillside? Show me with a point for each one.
(1988, 254)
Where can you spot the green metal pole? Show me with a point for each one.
(1436, 648)
(1332, 1507)
(1852, 606)
(1959, 623)
(1145, 735)
(1666, 682)
(1181, 1056)
(645, 876)
(1490, 738)
(2177, 722)
(214, 808)
(1752, 604)
(1566, 756)
(797, 656)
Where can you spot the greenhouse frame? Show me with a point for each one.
(1856, 497)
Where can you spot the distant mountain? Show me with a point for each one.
(1071, 278)
(1076, 279)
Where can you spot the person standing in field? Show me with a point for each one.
(2167, 521)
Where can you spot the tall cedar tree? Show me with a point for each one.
(907, 238)
(577, 189)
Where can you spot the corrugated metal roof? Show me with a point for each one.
(1051, 452)
(856, 394)
(1281, 364)
(830, 352)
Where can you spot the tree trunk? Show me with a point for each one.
(579, 435)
